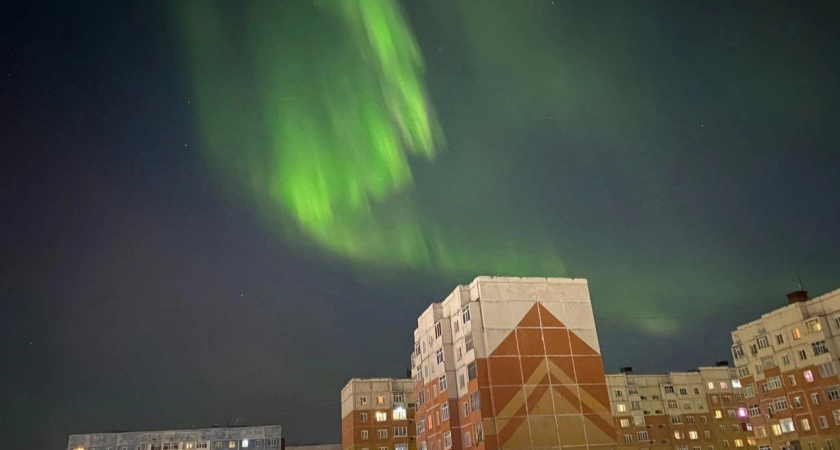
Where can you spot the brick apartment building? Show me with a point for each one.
(787, 364)
(377, 414)
(696, 410)
(511, 363)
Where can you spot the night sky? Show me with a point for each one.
(683, 157)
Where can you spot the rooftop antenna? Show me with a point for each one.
(801, 288)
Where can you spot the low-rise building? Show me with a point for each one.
(216, 438)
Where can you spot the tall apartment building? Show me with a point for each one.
(787, 364)
(697, 410)
(509, 363)
(378, 414)
(216, 438)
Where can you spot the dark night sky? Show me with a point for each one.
(138, 294)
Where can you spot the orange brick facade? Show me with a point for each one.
(525, 380)
(377, 414)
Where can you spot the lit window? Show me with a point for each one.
(736, 383)
(718, 414)
(813, 325)
(399, 414)
(739, 442)
(806, 425)
(796, 334)
(364, 435)
(381, 416)
(723, 385)
(380, 400)
(742, 412)
(231, 444)
(244, 443)
(711, 385)
(809, 376)
(621, 407)
(787, 425)
(693, 435)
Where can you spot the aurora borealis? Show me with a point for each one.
(209, 200)
(341, 112)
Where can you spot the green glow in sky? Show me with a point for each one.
(318, 111)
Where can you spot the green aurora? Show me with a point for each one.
(319, 110)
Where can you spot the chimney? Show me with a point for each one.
(797, 297)
(627, 370)
(722, 364)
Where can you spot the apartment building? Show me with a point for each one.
(698, 410)
(511, 363)
(378, 414)
(215, 438)
(787, 364)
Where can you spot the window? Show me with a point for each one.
(832, 393)
(620, 407)
(363, 417)
(632, 391)
(400, 446)
(273, 442)
(458, 354)
(444, 410)
(231, 444)
(479, 432)
(744, 371)
(672, 404)
(676, 419)
(465, 314)
(467, 440)
(625, 423)
(678, 434)
(442, 382)
(739, 442)
(398, 397)
(803, 355)
(245, 443)
(797, 402)
(170, 446)
(381, 416)
(819, 348)
(785, 359)
(827, 369)
(727, 399)
(718, 414)
(760, 431)
(689, 419)
(683, 391)
(693, 435)
(791, 380)
(815, 398)
(447, 440)
(619, 393)
(723, 385)
(382, 433)
(642, 436)
(400, 431)
(736, 384)
(628, 438)
(399, 414)
(639, 421)
(805, 424)
(809, 376)
(466, 407)
(475, 401)
(813, 325)
(768, 362)
(703, 419)
(363, 400)
(780, 339)
(686, 405)
(187, 446)
(472, 373)
(737, 351)
(456, 326)
(218, 445)
(438, 330)
(200, 445)
(439, 356)
(774, 382)
(823, 422)
(762, 341)
(669, 389)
